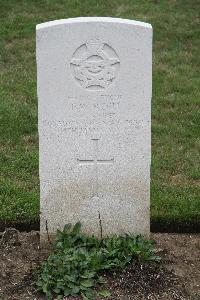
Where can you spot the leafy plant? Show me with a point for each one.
(77, 263)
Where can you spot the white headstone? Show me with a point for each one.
(94, 90)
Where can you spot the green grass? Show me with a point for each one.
(176, 99)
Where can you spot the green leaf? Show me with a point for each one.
(70, 278)
(155, 258)
(76, 290)
(39, 283)
(87, 283)
(59, 245)
(102, 280)
(71, 285)
(89, 295)
(67, 228)
(83, 288)
(104, 293)
(49, 296)
(85, 297)
(88, 275)
(67, 292)
(45, 287)
(44, 277)
(77, 228)
(57, 290)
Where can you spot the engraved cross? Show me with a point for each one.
(95, 162)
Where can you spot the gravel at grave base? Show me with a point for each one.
(177, 277)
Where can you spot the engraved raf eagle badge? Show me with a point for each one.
(95, 64)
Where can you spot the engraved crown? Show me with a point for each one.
(94, 44)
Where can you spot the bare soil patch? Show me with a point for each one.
(176, 277)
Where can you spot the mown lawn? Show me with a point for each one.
(175, 192)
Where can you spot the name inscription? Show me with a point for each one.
(94, 113)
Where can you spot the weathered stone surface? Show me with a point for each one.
(94, 91)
